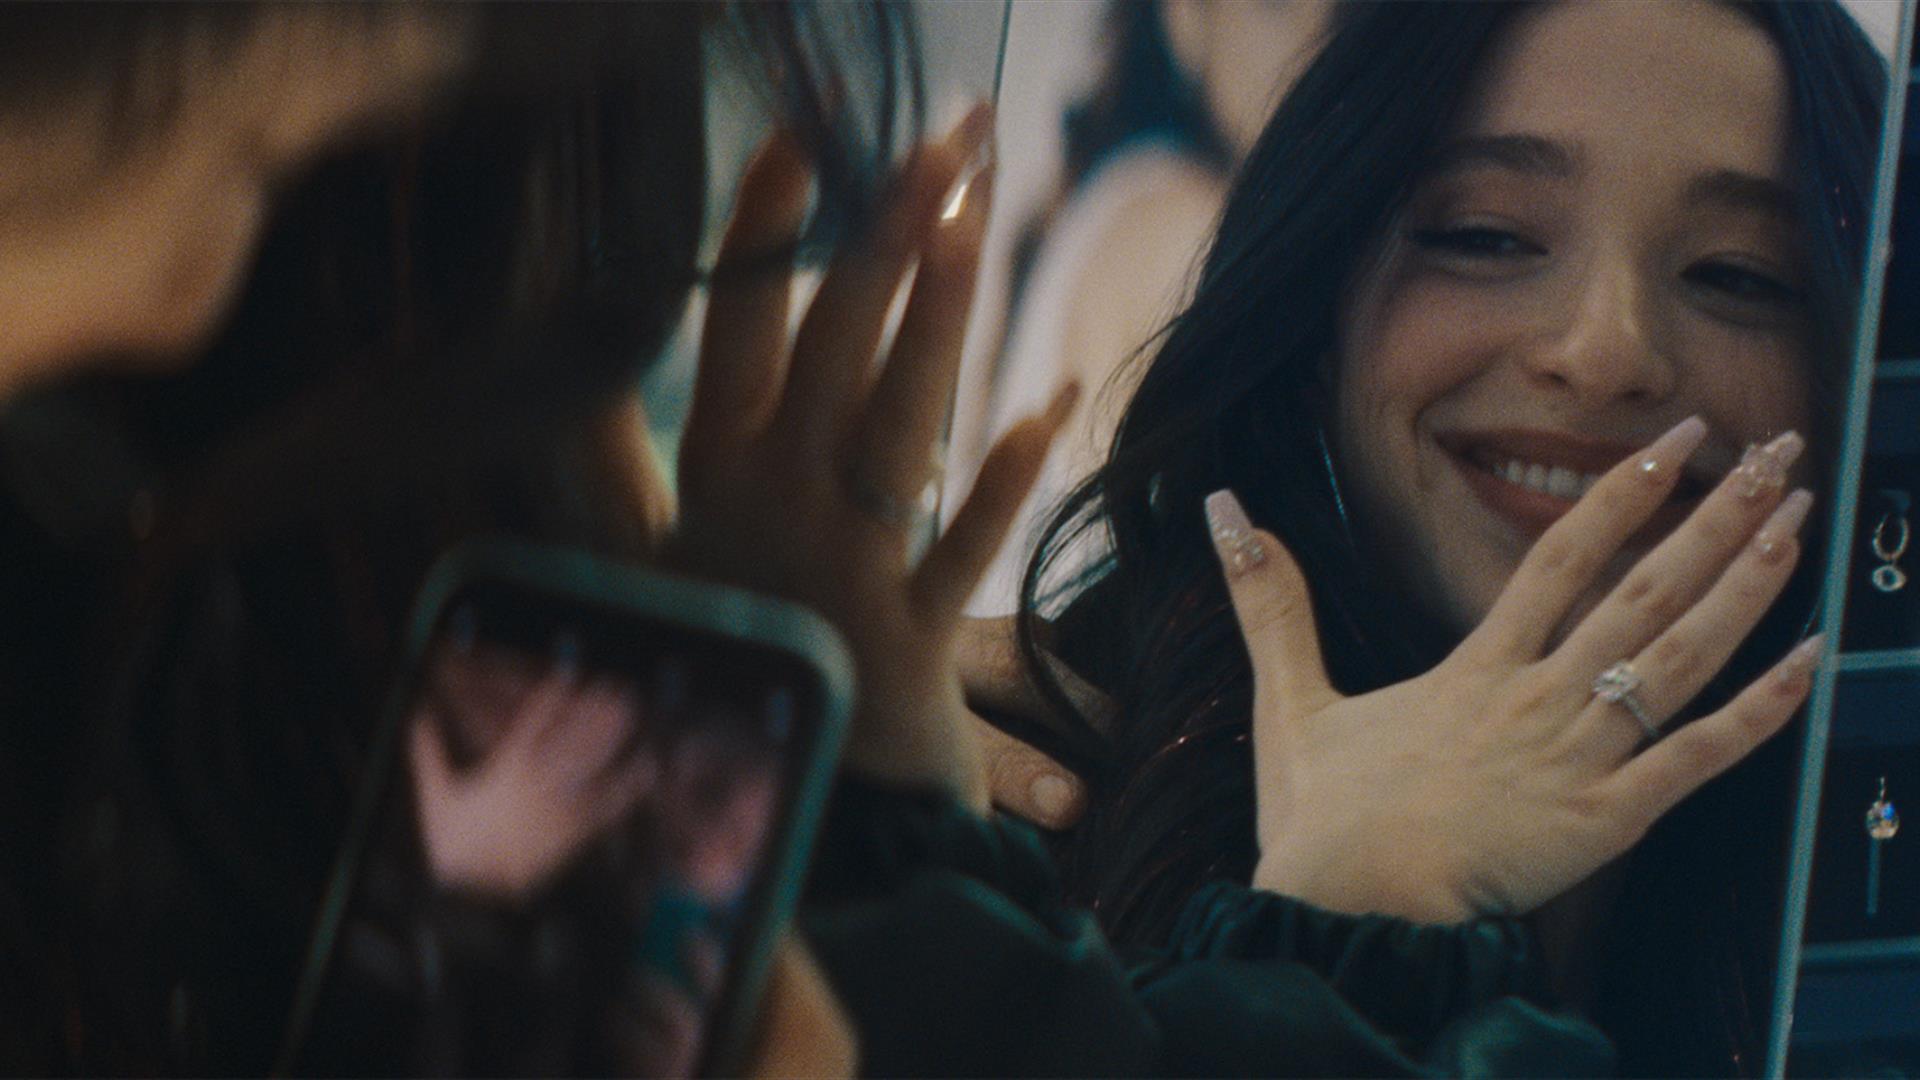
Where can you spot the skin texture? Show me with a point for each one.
(1601, 297)
(134, 252)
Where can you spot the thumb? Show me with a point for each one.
(1275, 611)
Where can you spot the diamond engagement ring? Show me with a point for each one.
(1616, 685)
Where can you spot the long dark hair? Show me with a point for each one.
(440, 329)
(1236, 397)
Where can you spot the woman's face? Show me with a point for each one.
(1606, 248)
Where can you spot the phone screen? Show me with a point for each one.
(639, 778)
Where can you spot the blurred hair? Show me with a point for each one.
(1235, 397)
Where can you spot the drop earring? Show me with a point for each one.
(1890, 536)
(1883, 821)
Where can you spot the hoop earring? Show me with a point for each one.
(1888, 577)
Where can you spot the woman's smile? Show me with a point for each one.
(1557, 294)
(1533, 476)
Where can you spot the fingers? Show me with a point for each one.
(1570, 555)
(543, 707)
(1668, 582)
(909, 406)
(744, 343)
(1028, 784)
(594, 728)
(993, 674)
(1274, 609)
(1656, 780)
(834, 351)
(947, 576)
(1680, 661)
(623, 789)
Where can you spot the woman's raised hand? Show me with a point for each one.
(802, 467)
(560, 774)
(1505, 775)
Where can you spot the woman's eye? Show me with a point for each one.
(1476, 241)
(1741, 283)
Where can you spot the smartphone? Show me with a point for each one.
(731, 708)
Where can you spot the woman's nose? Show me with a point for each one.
(1603, 345)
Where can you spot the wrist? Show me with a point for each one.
(1359, 880)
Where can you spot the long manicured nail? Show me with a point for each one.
(967, 206)
(1783, 524)
(1061, 407)
(1233, 537)
(1764, 468)
(970, 136)
(1799, 664)
(1663, 457)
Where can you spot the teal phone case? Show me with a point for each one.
(578, 578)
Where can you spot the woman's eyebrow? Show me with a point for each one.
(1736, 190)
(1519, 153)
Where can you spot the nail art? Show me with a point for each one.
(1770, 542)
(1672, 448)
(1764, 468)
(1233, 534)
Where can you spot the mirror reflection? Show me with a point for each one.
(1443, 299)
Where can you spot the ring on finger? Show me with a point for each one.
(905, 514)
(1617, 686)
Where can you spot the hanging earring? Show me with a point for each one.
(1883, 821)
(1890, 536)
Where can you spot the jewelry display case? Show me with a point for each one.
(1847, 999)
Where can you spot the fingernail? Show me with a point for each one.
(1799, 664)
(1764, 468)
(1232, 532)
(1783, 524)
(969, 200)
(1669, 450)
(969, 136)
(1052, 795)
(1064, 399)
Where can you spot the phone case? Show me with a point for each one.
(576, 577)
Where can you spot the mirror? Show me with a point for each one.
(1120, 128)
(1848, 1001)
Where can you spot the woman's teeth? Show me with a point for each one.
(1553, 480)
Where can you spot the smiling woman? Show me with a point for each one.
(1601, 250)
(1481, 258)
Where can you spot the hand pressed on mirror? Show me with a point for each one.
(1503, 777)
(800, 466)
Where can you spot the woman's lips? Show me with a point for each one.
(1534, 510)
